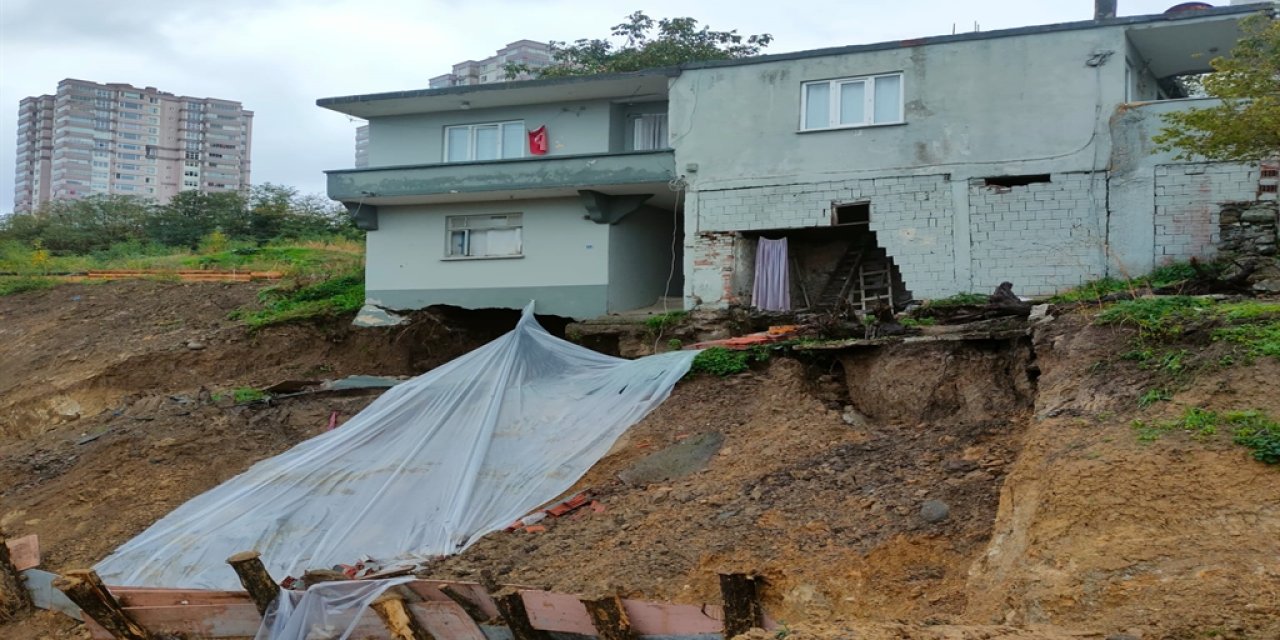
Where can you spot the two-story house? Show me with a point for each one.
(897, 170)
(553, 190)
(927, 167)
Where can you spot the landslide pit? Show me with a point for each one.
(1058, 521)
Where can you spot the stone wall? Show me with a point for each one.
(1188, 198)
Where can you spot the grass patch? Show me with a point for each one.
(245, 395)
(1157, 318)
(328, 298)
(1252, 429)
(663, 321)
(719, 361)
(1153, 396)
(20, 284)
(1166, 276)
(959, 300)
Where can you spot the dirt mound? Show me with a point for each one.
(834, 517)
(1177, 538)
(976, 484)
(110, 418)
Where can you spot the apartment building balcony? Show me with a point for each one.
(536, 177)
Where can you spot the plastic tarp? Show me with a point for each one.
(326, 610)
(425, 470)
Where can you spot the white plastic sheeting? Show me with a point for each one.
(326, 610)
(425, 470)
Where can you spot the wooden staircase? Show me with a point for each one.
(863, 279)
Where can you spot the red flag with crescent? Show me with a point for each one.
(538, 141)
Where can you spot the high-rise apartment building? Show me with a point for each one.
(532, 54)
(92, 138)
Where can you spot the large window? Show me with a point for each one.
(649, 132)
(488, 141)
(851, 102)
(485, 236)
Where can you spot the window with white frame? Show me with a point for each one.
(485, 141)
(485, 236)
(851, 102)
(649, 132)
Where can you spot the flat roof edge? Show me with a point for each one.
(335, 101)
(1230, 10)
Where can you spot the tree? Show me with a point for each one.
(676, 41)
(1245, 125)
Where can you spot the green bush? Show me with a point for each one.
(19, 284)
(1257, 432)
(719, 361)
(663, 321)
(959, 300)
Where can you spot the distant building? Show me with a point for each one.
(532, 54)
(91, 138)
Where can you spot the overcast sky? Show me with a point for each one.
(278, 56)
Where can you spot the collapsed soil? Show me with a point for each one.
(1055, 514)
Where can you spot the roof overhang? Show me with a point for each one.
(633, 87)
(1185, 46)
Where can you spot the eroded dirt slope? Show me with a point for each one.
(1058, 521)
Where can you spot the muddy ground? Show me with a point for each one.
(1057, 519)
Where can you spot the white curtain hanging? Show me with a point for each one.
(772, 290)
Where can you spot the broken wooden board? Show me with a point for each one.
(441, 619)
(24, 552)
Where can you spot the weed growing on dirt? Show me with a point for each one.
(959, 300)
(323, 299)
(1252, 429)
(664, 321)
(1258, 432)
(245, 395)
(1153, 396)
(1166, 276)
(719, 361)
(908, 321)
(1252, 327)
(10, 286)
(1157, 318)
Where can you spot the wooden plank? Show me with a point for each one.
(663, 619)
(512, 608)
(444, 620)
(559, 612)
(96, 632)
(202, 620)
(610, 619)
(473, 592)
(24, 552)
(139, 597)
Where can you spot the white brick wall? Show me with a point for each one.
(1043, 237)
(1187, 201)
(912, 217)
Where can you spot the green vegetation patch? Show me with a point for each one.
(328, 298)
(719, 361)
(1252, 429)
(664, 321)
(1166, 276)
(19, 284)
(959, 300)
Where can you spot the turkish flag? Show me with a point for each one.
(538, 141)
